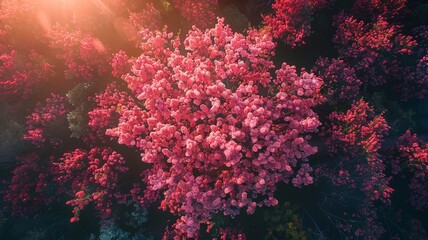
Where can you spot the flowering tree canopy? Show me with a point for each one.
(219, 130)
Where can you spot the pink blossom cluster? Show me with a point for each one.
(373, 49)
(85, 57)
(38, 122)
(27, 190)
(355, 138)
(121, 64)
(414, 157)
(201, 13)
(291, 20)
(91, 177)
(109, 106)
(340, 80)
(21, 76)
(218, 129)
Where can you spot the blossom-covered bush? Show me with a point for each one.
(355, 138)
(357, 172)
(374, 50)
(41, 121)
(91, 177)
(121, 64)
(109, 106)
(231, 233)
(218, 129)
(340, 80)
(413, 157)
(31, 187)
(21, 76)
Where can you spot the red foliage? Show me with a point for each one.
(109, 106)
(371, 9)
(91, 176)
(414, 157)
(218, 130)
(201, 13)
(21, 76)
(374, 50)
(44, 115)
(415, 80)
(356, 137)
(20, 22)
(31, 187)
(291, 20)
(340, 80)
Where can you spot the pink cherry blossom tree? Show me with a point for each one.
(218, 129)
